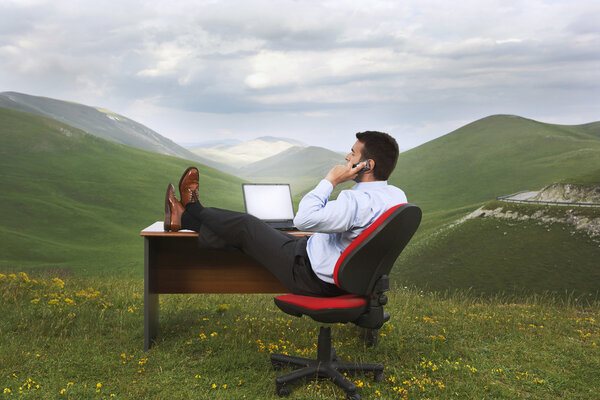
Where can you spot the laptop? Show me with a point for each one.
(271, 203)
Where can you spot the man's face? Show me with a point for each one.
(355, 154)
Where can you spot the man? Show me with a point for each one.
(304, 265)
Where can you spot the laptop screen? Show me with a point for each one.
(268, 201)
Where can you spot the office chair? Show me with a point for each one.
(362, 271)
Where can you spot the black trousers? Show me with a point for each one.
(282, 254)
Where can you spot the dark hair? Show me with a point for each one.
(383, 149)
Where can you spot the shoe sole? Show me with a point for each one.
(183, 176)
(167, 221)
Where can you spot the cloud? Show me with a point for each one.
(323, 66)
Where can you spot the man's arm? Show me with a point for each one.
(317, 213)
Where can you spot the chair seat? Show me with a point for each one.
(336, 309)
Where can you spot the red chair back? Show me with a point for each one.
(373, 253)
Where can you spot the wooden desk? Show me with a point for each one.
(173, 263)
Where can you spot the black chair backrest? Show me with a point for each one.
(373, 253)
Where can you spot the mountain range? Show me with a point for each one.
(98, 122)
(227, 155)
(74, 200)
(241, 154)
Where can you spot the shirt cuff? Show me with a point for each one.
(323, 189)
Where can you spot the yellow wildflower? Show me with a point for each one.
(58, 282)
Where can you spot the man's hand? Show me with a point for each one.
(343, 173)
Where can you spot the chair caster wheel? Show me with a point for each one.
(353, 396)
(283, 390)
(379, 376)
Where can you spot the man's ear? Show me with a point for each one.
(371, 164)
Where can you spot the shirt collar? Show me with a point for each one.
(369, 185)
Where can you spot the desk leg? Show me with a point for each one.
(151, 306)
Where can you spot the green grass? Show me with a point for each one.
(83, 337)
(76, 201)
(591, 178)
(491, 255)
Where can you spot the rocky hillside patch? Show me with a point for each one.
(583, 219)
(561, 192)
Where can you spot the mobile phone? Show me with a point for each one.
(365, 169)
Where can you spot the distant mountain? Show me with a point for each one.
(244, 153)
(294, 162)
(302, 167)
(210, 143)
(275, 139)
(98, 122)
(73, 200)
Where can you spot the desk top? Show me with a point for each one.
(157, 229)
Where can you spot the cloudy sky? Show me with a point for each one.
(317, 71)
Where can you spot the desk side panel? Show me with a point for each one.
(182, 267)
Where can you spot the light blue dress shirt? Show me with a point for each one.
(339, 222)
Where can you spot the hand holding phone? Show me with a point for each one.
(343, 173)
(365, 168)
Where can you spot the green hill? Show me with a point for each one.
(490, 255)
(73, 200)
(591, 178)
(452, 175)
(295, 162)
(494, 156)
(98, 122)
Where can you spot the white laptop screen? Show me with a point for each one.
(269, 201)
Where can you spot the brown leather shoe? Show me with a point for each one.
(188, 186)
(173, 210)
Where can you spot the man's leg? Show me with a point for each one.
(274, 249)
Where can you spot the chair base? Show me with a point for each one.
(327, 365)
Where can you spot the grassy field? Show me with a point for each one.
(74, 338)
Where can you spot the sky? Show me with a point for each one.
(315, 71)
